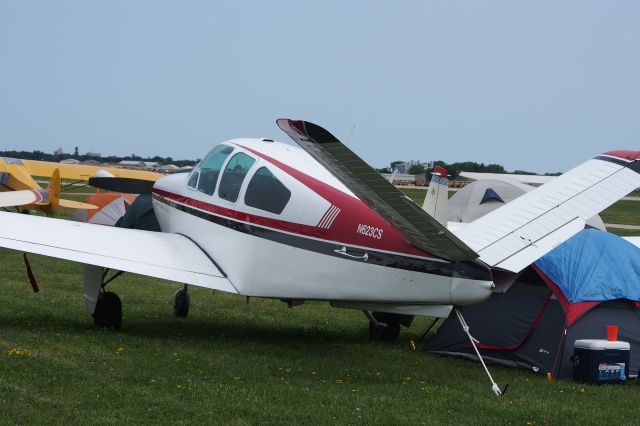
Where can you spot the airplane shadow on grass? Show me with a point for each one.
(236, 330)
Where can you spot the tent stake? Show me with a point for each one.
(494, 386)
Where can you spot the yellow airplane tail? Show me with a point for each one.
(55, 202)
(54, 192)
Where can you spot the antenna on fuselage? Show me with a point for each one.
(351, 134)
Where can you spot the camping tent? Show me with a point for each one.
(482, 196)
(111, 207)
(572, 293)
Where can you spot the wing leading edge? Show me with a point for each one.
(418, 227)
(162, 255)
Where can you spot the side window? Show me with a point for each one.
(233, 176)
(209, 169)
(193, 179)
(265, 192)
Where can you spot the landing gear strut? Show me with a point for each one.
(181, 302)
(385, 326)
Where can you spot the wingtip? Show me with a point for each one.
(623, 154)
(287, 125)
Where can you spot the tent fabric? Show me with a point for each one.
(467, 205)
(111, 206)
(472, 201)
(491, 195)
(140, 215)
(533, 324)
(594, 266)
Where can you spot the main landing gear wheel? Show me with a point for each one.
(181, 302)
(386, 326)
(108, 312)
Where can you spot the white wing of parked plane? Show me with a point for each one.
(169, 256)
(527, 179)
(633, 240)
(517, 234)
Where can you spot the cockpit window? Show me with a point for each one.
(266, 192)
(209, 169)
(234, 175)
(193, 179)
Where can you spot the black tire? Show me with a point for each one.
(181, 302)
(391, 332)
(108, 312)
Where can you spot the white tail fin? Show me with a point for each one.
(520, 232)
(436, 203)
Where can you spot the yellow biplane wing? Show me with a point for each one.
(83, 172)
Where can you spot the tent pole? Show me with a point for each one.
(494, 386)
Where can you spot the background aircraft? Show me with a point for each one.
(19, 188)
(265, 219)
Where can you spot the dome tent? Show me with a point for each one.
(483, 196)
(572, 293)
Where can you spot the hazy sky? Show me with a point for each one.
(538, 85)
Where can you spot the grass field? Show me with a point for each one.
(238, 364)
(624, 211)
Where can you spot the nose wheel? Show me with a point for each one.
(181, 302)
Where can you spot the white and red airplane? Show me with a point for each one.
(261, 218)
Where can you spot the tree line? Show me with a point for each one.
(455, 169)
(43, 156)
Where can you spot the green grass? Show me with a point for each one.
(625, 232)
(624, 211)
(240, 364)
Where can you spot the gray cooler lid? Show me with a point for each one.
(600, 345)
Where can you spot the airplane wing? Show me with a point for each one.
(83, 172)
(633, 240)
(518, 233)
(23, 197)
(418, 227)
(526, 179)
(161, 255)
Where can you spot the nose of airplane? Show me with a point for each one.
(465, 291)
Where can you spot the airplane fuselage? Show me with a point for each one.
(281, 226)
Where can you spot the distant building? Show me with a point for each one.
(401, 178)
(138, 164)
(404, 166)
(421, 179)
(58, 151)
(70, 161)
(399, 166)
(94, 154)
